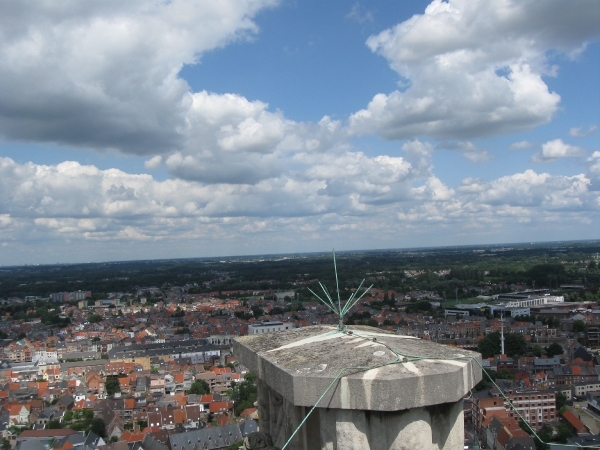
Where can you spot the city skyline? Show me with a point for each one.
(188, 129)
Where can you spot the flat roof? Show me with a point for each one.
(266, 324)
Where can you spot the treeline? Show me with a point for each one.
(385, 269)
(48, 312)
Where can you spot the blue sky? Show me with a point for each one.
(201, 128)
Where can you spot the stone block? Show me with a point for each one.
(380, 401)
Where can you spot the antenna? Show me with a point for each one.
(502, 332)
(340, 310)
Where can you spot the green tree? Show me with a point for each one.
(514, 344)
(561, 400)
(244, 393)
(423, 305)
(53, 425)
(489, 345)
(554, 349)
(537, 350)
(579, 326)
(95, 318)
(112, 385)
(199, 387)
(97, 426)
(541, 272)
(88, 415)
(545, 434)
(564, 432)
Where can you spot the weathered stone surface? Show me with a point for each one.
(438, 427)
(419, 428)
(382, 403)
(259, 441)
(301, 364)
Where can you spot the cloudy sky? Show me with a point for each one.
(165, 129)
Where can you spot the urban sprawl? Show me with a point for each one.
(153, 368)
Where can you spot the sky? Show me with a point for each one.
(190, 128)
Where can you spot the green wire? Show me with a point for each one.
(335, 380)
(401, 358)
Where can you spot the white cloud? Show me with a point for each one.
(153, 163)
(70, 196)
(360, 14)
(469, 150)
(105, 74)
(234, 140)
(555, 149)
(521, 145)
(582, 132)
(474, 68)
(531, 190)
(385, 198)
(420, 155)
(594, 169)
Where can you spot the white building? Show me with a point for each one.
(269, 327)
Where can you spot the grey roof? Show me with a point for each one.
(206, 438)
(74, 439)
(68, 365)
(167, 348)
(525, 443)
(92, 439)
(495, 425)
(193, 398)
(30, 444)
(247, 427)
(149, 443)
(586, 383)
(545, 362)
(67, 399)
(584, 440)
(122, 445)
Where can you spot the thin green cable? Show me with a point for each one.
(401, 358)
(335, 380)
(414, 358)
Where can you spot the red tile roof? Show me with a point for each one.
(574, 421)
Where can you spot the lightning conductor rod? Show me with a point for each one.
(337, 286)
(502, 328)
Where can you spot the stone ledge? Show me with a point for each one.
(300, 364)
